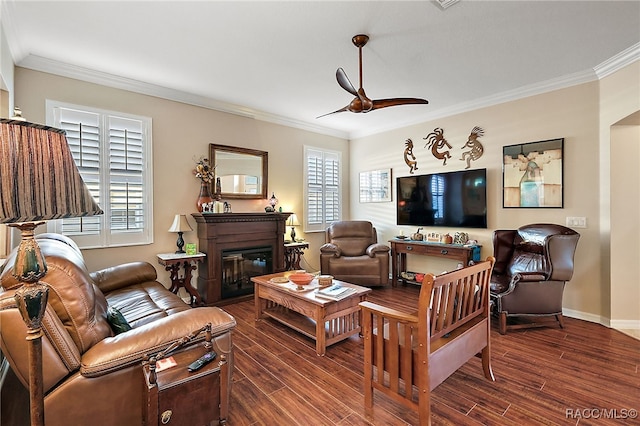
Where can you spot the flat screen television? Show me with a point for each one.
(451, 199)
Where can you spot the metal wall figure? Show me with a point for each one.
(436, 142)
(409, 158)
(476, 150)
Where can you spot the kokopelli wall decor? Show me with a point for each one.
(409, 158)
(436, 142)
(476, 150)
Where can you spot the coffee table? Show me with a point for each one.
(325, 321)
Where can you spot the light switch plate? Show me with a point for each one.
(576, 222)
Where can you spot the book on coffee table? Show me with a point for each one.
(335, 292)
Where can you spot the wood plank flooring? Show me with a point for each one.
(579, 375)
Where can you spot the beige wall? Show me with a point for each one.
(569, 113)
(181, 133)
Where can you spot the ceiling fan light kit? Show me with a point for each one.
(361, 103)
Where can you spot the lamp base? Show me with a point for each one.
(31, 299)
(180, 244)
(293, 234)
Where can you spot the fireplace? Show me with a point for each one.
(238, 246)
(238, 266)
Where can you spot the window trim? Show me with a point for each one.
(106, 238)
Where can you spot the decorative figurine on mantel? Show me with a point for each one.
(476, 150)
(436, 142)
(272, 203)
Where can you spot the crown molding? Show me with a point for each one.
(42, 64)
(621, 60)
(499, 98)
(10, 31)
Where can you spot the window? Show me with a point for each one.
(113, 154)
(322, 188)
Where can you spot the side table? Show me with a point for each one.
(172, 262)
(293, 252)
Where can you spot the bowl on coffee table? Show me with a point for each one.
(301, 279)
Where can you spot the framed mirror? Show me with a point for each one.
(242, 171)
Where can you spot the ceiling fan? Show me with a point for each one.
(361, 103)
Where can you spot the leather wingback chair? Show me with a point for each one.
(352, 254)
(90, 374)
(533, 263)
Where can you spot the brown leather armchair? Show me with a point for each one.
(90, 374)
(352, 254)
(533, 263)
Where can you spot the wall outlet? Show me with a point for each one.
(576, 222)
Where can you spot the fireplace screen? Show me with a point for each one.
(239, 265)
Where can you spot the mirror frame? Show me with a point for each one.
(264, 157)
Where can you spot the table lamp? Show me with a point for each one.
(293, 222)
(38, 181)
(180, 225)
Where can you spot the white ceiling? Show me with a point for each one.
(277, 60)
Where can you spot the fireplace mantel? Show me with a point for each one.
(219, 232)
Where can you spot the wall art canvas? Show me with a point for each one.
(533, 174)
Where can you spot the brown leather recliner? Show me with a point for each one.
(533, 263)
(352, 254)
(91, 375)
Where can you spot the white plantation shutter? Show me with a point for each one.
(112, 152)
(126, 183)
(83, 136)
(322, 188)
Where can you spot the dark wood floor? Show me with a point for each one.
(546, 376)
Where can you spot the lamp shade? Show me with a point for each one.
(180, 224)
(38, 177)
(293, 220)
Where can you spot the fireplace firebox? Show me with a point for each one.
(238, 266)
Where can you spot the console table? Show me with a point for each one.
(293, 252)
(400, 249)
(172, 262)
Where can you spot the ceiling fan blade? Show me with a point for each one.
(336, 111)
(383, 103)
(345, 83)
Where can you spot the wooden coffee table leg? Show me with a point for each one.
(257, 303)
(321, 341)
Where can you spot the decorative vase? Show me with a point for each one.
(205, 195)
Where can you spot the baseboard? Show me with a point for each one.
(607, 322)
(586, 316)
(625, 324)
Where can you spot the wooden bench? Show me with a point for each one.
(417, 352)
